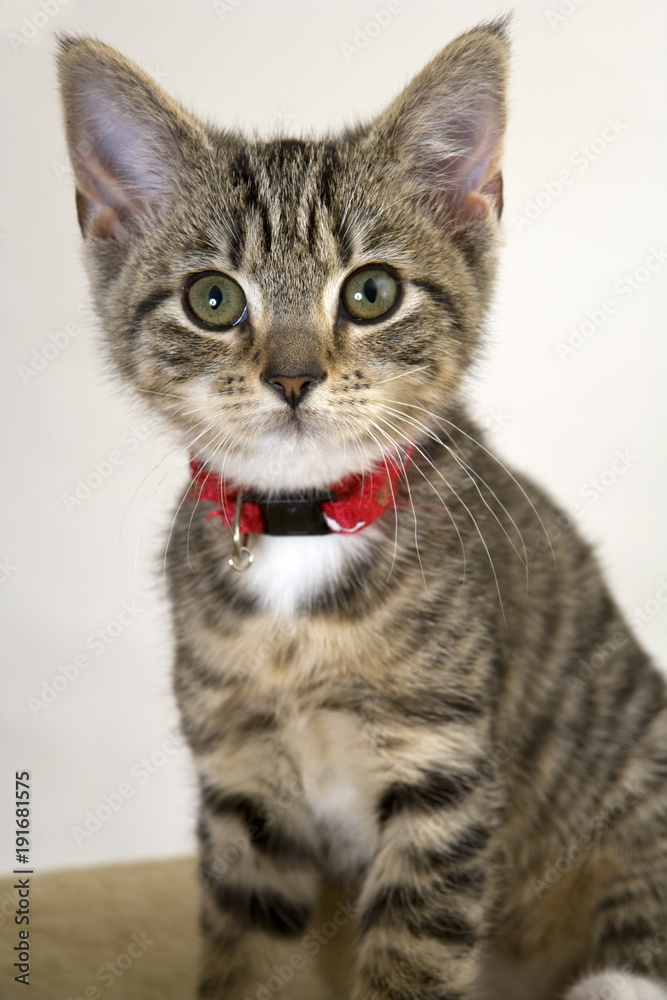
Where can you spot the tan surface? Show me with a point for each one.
(122, 932)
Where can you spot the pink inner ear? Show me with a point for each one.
(477, 206)
(458, 152)
(98, 220)
(121, 158)
(485, 197)
(476, 173)
(105, 187)
(100, 201)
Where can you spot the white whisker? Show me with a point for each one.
(468, 511)
(444, 504)
(473, 476)
(473, 440)
(414, 512)
(403, 374)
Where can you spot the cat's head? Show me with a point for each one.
(300, 303)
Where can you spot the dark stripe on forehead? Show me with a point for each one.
(242, 176)
(235, 245)
(312, 227)
(327, 185)
(280, 153)
(344, 238)
(329, 175)
(265, 228)
(296, 149)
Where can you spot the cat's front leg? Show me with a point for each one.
(260, 885)
(424, 905)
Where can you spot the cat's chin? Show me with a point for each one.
(292, 466)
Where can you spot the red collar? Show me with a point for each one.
(346, 507)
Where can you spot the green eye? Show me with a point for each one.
(369, 293)
(215, 300)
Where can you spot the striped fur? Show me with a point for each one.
(408, 792)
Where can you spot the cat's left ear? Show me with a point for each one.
(127, 140)
(445, 131)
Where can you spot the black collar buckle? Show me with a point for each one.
(301, 515)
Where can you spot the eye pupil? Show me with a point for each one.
(369, 293)
(214, 300)
(215, 297)
(370, 290)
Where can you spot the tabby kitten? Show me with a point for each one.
(410, 787)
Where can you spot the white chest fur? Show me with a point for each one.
(341, 782)
(288, 572)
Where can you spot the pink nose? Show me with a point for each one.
(292, 387)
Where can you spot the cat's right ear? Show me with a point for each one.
(126, 140)
(445, 131)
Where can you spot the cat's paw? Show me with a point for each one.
(616, 985)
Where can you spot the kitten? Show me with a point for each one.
(403, 765)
